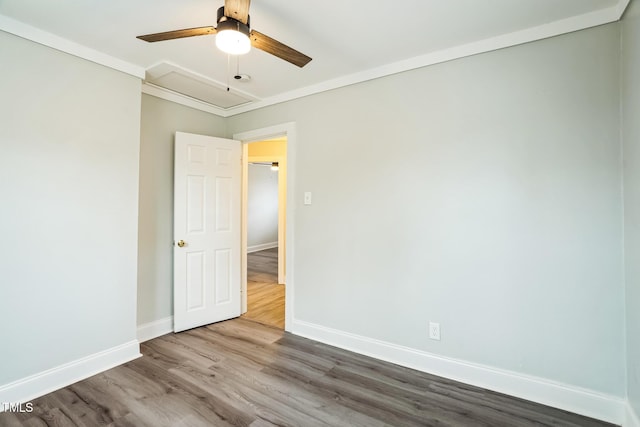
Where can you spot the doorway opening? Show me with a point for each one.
(264, 213)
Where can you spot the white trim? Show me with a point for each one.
(567, 397)
(178, 98)
(244, 264)
(632, 419)
(37, 385)
(268, 132)
(575, 23)
(44, 38)
(568, 25)
(151, 330)
(288, 129)
(621, 7)
(261, 247)
(163, 68)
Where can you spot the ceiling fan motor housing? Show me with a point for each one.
(228, 23)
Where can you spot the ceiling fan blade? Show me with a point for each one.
(238, 10)
(177, 34)
(274, 47)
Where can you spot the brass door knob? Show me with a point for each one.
(181, 243)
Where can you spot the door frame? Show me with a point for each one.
(246, 137)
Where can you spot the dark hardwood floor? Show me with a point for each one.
(243, 373)
(265, 297)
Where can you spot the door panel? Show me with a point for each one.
(207, 219)
(223, 283)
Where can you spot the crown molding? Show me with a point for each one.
(622, 7)
(44, 38)
(556, 28)
(564, 26)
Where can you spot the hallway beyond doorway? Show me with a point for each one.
(265, 297)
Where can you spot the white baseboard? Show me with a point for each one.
(261, 247)
(574, 399)
(632, 419)
(151, 330)
(37, 385)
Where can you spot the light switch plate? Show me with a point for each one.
(307, 197)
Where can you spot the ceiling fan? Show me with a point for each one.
(234, 36)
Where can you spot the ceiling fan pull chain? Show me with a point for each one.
(228, 69)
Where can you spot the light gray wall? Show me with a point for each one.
(262, 206)
(482, 193)
(69, 146)
(160, 120)
(631, 148)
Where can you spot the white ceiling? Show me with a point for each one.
(349, 41)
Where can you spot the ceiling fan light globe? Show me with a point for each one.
(233, 42)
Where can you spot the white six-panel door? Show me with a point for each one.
(207, 213)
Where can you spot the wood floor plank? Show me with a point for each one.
(129, 420)
(11, 420)
(204, 407)
(243, 373)
(266, 401)
(265, 297)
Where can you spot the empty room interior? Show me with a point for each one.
(226, 212)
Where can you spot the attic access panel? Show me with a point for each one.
(201, 88)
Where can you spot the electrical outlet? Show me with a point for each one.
(434, 331)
